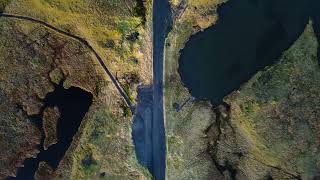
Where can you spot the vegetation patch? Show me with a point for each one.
(33, 58)
(3, 4)
(277, 109)
(141, 10)
(187, 156)
(265, 129)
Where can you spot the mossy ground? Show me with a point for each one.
(33, 58)
(271, 127)
(3, 4)
(106, 25)
(186, 140)
(276, 114)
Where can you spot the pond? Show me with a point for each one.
(249, 35)
(73, 104)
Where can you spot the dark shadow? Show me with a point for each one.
(140, 10)
(142, 127)
(316, 27)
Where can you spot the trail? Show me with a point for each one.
(84, 42)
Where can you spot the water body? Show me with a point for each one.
(249, 35)
(73, 104)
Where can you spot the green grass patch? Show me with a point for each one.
(3, 4)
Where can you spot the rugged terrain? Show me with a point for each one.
(268, 129)
(186, 140)
(271, 125)
(34, 58)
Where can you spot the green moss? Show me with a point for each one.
(272, 116)
(174, 142)
(35, 61)
(106, 130)
(104, 125)
(126, 111)
(185, 129)
(126, 26)
(90, 165)
(105, 152)
(56, 76)
(275, 113)
(3, 4)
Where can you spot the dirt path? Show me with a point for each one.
(83, 41)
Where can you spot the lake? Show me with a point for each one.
(73, 104)
(249, 35)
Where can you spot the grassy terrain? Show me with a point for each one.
(109, 26)
(268, 128)
(33, 58)
(186, 141)
(276, 115)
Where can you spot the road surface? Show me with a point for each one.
(161, 26)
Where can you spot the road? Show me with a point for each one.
(161, 26)
(84, 42)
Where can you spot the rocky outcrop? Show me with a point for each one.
(50, 124)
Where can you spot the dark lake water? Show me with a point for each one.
(73, 104)
(249, 35)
